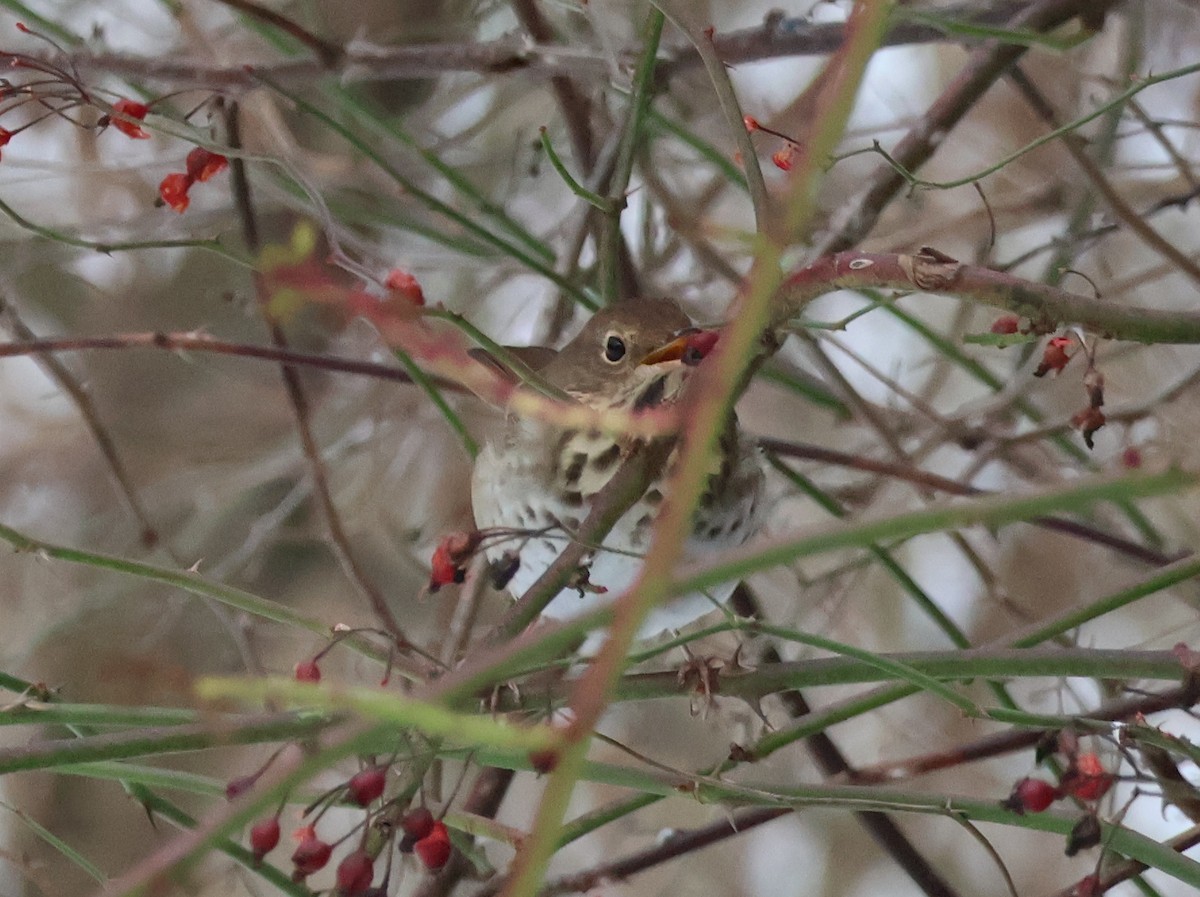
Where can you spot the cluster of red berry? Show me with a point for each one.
(448, 565)
(1084, 780)
(422, 834)
(1055, 357)
(783, 158)
(426, 837)
(58, 91)
(200, 166)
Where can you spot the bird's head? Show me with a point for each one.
(633, 354)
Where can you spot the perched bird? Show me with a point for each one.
(538, 479)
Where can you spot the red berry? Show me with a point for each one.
(367, 785)
(174, 190)
(699, 345)
(1006, 324)
(311, 855)
(450, 557)
(1054, 356)
(203, 164)
(355, 873)
(1031, 794)
(264, 835)
(434, 849)
(418, 823)
(133, 109)
(442, 570)
(307, 671)
(783, 158)
(1087, 779)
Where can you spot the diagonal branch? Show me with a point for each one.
(855, 219)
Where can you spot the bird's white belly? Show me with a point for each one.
(535, 508)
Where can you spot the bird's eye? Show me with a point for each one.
(614, 348)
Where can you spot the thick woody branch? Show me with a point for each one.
(928, 271)
(776, 37)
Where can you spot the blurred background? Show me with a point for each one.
(192, 459)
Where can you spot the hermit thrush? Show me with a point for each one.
(538, 480)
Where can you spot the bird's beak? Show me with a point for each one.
(689, 347)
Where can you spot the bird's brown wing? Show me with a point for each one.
(533, 357)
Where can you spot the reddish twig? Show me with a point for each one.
(1017, 739)
(928, 480)
(193, 341)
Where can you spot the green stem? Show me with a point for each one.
(992, 511)
(1120, 99)
(643, 86)
(188, 581)
(602, 203)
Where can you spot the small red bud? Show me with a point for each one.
(264, 835)
(355, 873)
(367, 785)
(1033, 795)
(750, 122)
(307, 671)
(783, 158)
(1131, 458)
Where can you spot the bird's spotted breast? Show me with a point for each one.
(533, 487)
